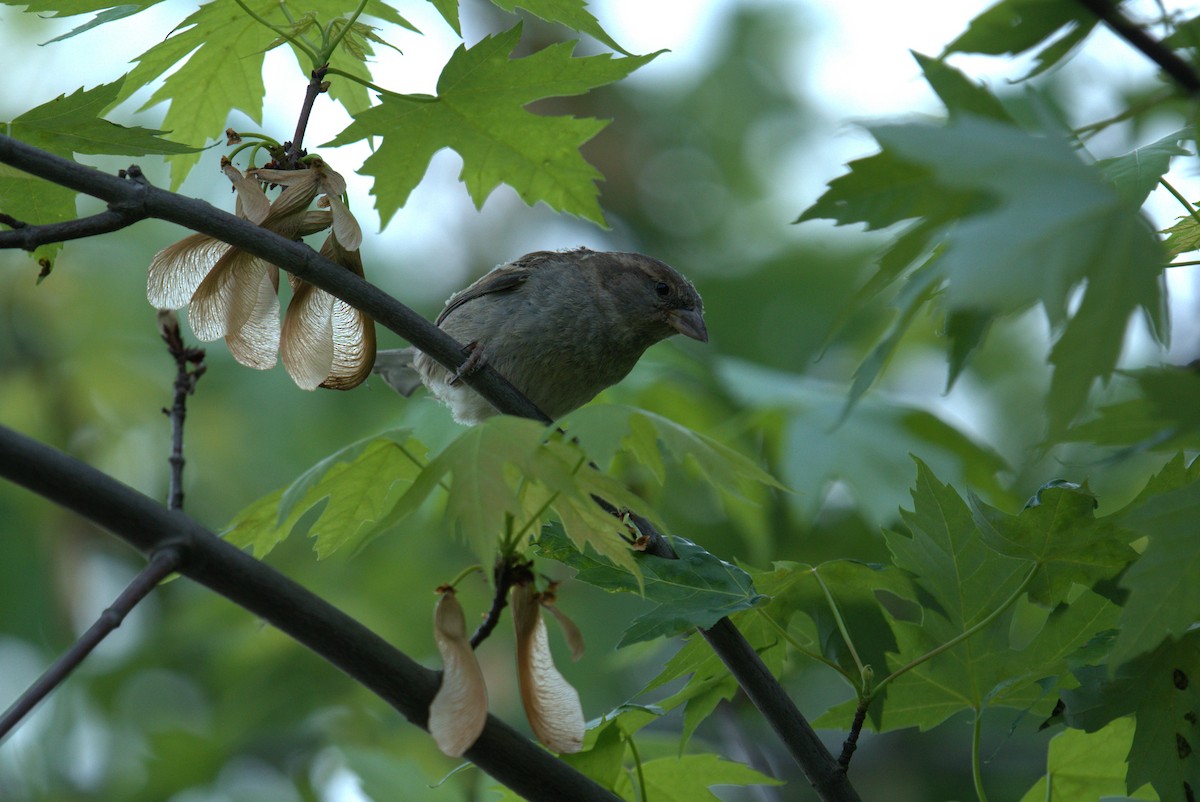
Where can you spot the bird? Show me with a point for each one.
(560, 325)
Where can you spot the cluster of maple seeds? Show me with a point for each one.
(323, 341)
(459, 711)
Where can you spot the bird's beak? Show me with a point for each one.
(689, 323)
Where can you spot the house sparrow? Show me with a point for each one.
(561, 326)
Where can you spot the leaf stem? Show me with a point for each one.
(820, 658)
(1091, 129)
(841, 625)
(283, 32)
(637, 766)
(976, 768)
(331, 45)
(957, 639)
(464, 573)
(1191, 210)
(377, 88)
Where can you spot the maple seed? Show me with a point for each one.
(551, 704)
(459, 711)
(571, 632)
(233, 294)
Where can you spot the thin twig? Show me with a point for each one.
(851, 742)
(316, 85)
(1179, 70)
(506, 574)
(162, 563)
(189, 367)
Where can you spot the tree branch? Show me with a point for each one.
(303, 262)
(162, 562)
(295, 257)
(1179, 70)
(501, 751)
(316, 86)
(30, 237)
(827, 778)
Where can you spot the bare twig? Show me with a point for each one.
(189, 367)
(162, 562)
(1180, 71)
(506, 574)
(316, 85)
(851, 742)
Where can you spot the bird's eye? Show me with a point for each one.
(663, 289)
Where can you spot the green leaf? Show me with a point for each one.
(807, 603)
(1161, 689)
(106, 16)
(1182, 237)
(72, 124)
(916, 290)
(1136, 174)
(506, 475)
(571, 13)
(958, 92)
(38, 201)
(1083, 765)
(970, 586)
(604, 755)
(695, 590)
(1166, 415)
(71, 8)
(603, 429)
(883, 190)
(1060, 532)
(869, 457)
(854, 588)
(688, 778)
(67, 125)
(349, 482)
(1164, 594)
(1061, 47)
(219, 51)
(449, 11)
(480, 113)
(1014, 26)
(1054, 224)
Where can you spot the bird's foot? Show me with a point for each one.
(473, 362)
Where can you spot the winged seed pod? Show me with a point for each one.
(460, 708)
(551, 704)
(326, 342)
(234, 294)
(571, 632)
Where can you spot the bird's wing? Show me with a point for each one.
(504, 279)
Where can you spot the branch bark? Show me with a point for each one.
(406, 685)
(297, 258)
(1180, 71)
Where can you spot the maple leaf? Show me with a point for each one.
(480, 113)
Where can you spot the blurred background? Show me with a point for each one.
(715, 148)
